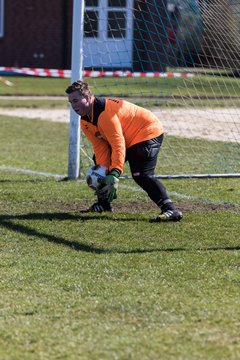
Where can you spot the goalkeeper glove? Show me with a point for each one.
(109, 185)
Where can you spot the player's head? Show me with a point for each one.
(80, 97)
(81, 87)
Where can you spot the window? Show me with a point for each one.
(1, 17)
(116, 24)
(91, 23)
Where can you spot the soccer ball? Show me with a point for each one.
(95, 175)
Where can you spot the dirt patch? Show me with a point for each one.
(132, 207)
(222, 124)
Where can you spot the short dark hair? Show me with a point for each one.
(80, 86)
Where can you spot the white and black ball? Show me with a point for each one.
(95, 175)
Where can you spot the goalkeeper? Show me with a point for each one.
(121, 131)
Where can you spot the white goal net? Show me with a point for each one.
(181, 59)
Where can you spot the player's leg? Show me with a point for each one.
(142, 158)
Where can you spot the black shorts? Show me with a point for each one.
(142, 157)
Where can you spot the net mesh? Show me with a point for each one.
(181, 60)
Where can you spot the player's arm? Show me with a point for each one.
(112, 130)
(101, 148)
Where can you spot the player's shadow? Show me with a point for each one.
(7, 221)
(78, 216)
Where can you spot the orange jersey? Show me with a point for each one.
(116, 125)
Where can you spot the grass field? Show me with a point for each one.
(196, 86)
(201, 91)
(112, 286)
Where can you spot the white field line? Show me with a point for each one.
(30, 172)
(132, 188)
(186, 197)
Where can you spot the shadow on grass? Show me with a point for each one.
(7, 222)
(67, 216)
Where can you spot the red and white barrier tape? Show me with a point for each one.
(67, 73)
(37, 71)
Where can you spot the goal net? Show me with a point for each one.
(181, 60)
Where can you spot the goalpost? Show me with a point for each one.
(77, 69)
(181, 60)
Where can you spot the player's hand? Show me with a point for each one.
(109, 186)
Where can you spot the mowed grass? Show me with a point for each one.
(199, 91)
(112, 286)
(208, 86)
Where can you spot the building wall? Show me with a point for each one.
(34, 33)
(39, 34)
